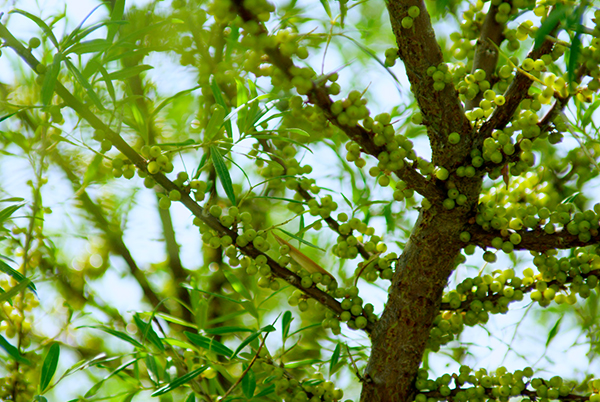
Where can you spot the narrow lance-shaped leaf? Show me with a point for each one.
(557, 13)
(49, 366)
(236, 284)
(223, 173)
(221, 101)
(249, 384)
(148, 332)
(12, 351)
(50, 78)
(179, 381)
(85, 84)
(208, 343)
(215, 122)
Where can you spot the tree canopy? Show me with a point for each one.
(303, 201)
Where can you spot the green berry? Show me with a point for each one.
(34, 42)
(407, 22)
(454, 138)
(414, 12)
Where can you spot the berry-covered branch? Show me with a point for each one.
(441, 107)
(169, 186)
(516, 92)
(318, 95)
(468, 384)
(486, 52)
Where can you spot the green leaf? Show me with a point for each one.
(325, 4)
(98, 385)
(218, 95)
(285, 324)
(208, 343)
(50, 79)
(85, 84)
(574, 56)
(587, 116)
(115, 15)
(553, 331)
(297, 131)
(305, 328)
(7, 116)
(250, 338)
(49, 366)
(176, 320)
(303, 363)
(12, 199)
(12, 351)
(118, 334)
(89, 46)
(40, 398)
(179, 381)
(300, 240)
(15, 290)
(152, 367)
(556, 15)
(172, 98)
(109, 85)
(214, 123)
(223, 173)
(148, 332)
(212, 294)
(225, 330)
(191, 397)
(40, 23)
(279, 138)
(8, 211)
(236, 284)
(19, 277)
(128, 72)
(249, 384)
(269, 390)
(570, 198)
(335, 357)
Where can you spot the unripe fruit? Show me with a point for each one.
(34, 42)
(407, 22)
(414, 12)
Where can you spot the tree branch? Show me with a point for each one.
(442, 110)
(486, 54)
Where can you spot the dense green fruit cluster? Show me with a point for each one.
(121, 166)
(454, 197)
(469, 385)
(377, 266)
(347, 243)
(350, 110)
(584, 225)
(391, 55)
(441, 76)
(578, 274)
(291, 390)
(158, 161)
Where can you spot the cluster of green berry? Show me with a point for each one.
(291, 390)
(391, 55)
(500, 385)
(159, 161)
(347, 243)
(121, 166)
(441, 76)
(580, 272)
(350, 110)
(454, 197)
(408, 21)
